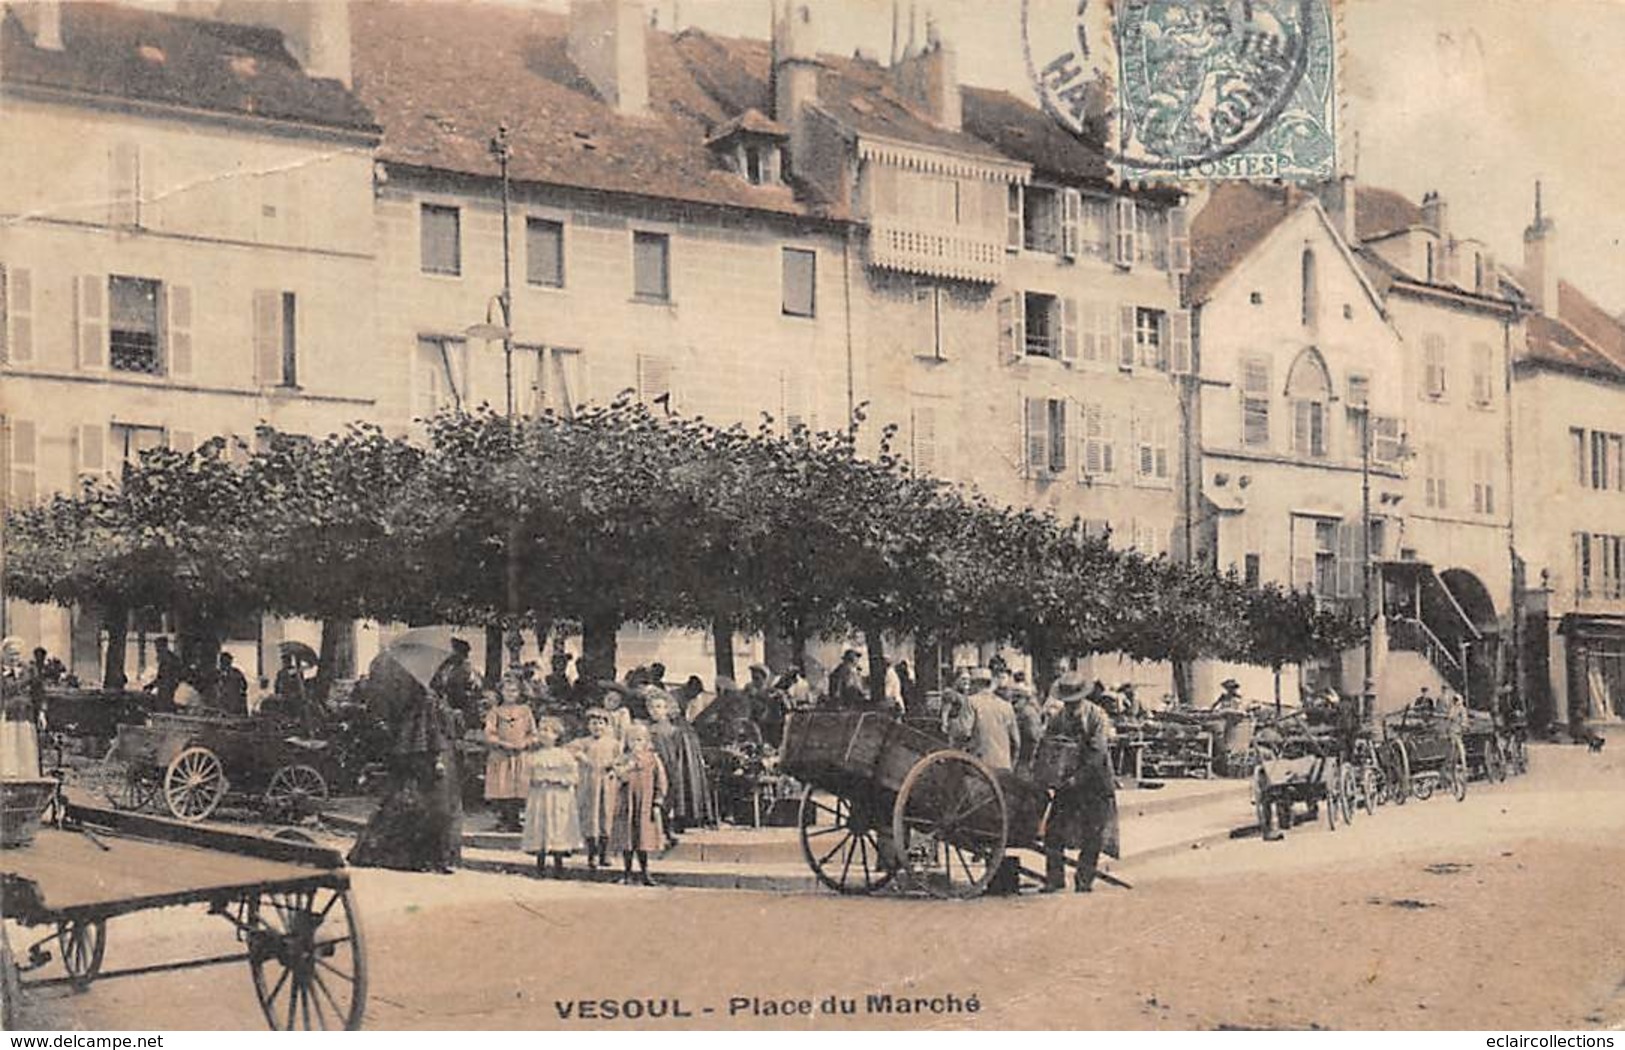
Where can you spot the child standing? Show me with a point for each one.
(597, 753)
(642, 791)
(510, 729)
(552, 817)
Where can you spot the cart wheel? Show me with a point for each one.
(1369, 790)
(1350, 792)
(1495, 767)
(308, 960)
(82, 942)
(136, 790)
(844, 853)
(11, 985)
(1422, 787)
(194, 784)
(1399, 785)
(1458, 771)
(950, 824)
(1520, 756)
(1261, 802)
(1334, 798)
(296, 791)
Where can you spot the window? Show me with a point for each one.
(124, 176)
(1255, 402)
(800, 267)
(924, 445)
(555, 379)
(133, 330)
(1577, 441)
(440, 375)
(655, 386)
(926, 326)
(1483, 482)
(1046, 436)
(1483, 375)
(544, 253)
(276, 338)
(1099, 459)
(1599, 565)
(1387, 441)
(1041, 220)
(1095, 227)
(1435, 473)
(651, 266)
(20, 456)
(1309, 427)
(1604, 469)
(1433, 366)
(1309, 387)
(1097, 330)
(1151, 450)
(1123, 230)
(1151, 237)
(441, 239)
(1326, 545)
(1250, 571)
(130, 440)
(1042, 325)
(1310, 291)
(1150, 349)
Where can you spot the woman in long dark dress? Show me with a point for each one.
(419, 824)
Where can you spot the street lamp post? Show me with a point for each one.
(1368, 698)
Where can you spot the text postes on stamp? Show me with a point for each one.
(1191, 89)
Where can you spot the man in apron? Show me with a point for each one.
(1083, 815)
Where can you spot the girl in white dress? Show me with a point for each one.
(552, 814)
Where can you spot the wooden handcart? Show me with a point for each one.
(1296, 765)
(1421, 752)
(191, 763)
(289, 903)
(890, 801)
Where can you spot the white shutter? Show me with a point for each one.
(1180, 358)
(1095, 459)
(1013, 230)
(1012, 322)
(18, 302)
(124, 184)
(1069, 329)
(1301, 436)
(90, 451)
(1124, 231)
(1036, 425)
(90, 322)
(655, 381)
(1161, 449)
(179, 330)
(1179, 240)
(1164, 337)
(1071, 223)
(924, 440)
(1059, 441)
(22, 455)
(268, 337)
(1125, 336)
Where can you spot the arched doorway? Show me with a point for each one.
(1487, 656)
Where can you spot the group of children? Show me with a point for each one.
(604, 792)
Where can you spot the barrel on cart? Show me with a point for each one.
(889, 801)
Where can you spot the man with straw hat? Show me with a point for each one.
(1083, 815)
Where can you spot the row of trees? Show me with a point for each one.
(618, 515)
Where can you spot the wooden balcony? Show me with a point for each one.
(938, 252)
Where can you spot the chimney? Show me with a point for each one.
(609, 45)
(1337, 197)
(1435, 214)
(1540, 260)
(317, 32)
(43, 21)
(930, 79)
(795, 74)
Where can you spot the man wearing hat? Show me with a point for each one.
(986, 723)
(846, 688)
(1230, 699)
(456, 681)
(1084, 813)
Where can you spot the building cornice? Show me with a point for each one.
(275, 395)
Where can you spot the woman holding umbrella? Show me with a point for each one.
(419, 823)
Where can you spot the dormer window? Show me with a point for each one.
(751, 146)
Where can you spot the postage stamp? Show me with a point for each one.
(1191, 89)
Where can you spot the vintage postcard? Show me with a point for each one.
(925, 515)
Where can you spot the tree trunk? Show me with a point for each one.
(199, 636)
(722, 641)
(927, 665)
(1277, 690)
(542, 629)
(493, 653)
(876, 644)
(118, 628)
(337, 655)
(1043, 666)
(1184, 686)
(598, 647)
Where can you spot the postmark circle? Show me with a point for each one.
(1168, 86)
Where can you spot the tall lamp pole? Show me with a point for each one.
(502, 150)
(1368, 700)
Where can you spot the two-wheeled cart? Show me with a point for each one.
(1294, 764)
(891, 802)
(1422, 751)
(289, 904)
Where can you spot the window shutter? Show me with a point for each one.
(1058, 437)
(179, 330)
(1125, 231)
(1012, 327)
(1300, 425)
(1013, 220)
(1161, 450)
(655, 382)
(1036, 416)
(90, 451)
(1179, 240)
(182, 440)
(23, 457)
(1348, 559)
(924, 451)
(1091, 434)
(268, 337)
(1071, 223)
(1069, 329)
(90, 322)
(124, 179)
(1125, 335)
(17, 307)
(1179, 345)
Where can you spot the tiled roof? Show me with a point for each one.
(1027, 133)
(443, 76)
(753, 122)
(144, 55)
(1583, 337)
(1378, 212)
(1235, 220)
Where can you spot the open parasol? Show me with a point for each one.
(418, 652)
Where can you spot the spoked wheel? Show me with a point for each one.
(950, 824)
(194, 784)
(1350, 792)
(295, 792)
(1334, 797)
(1495, 767)
(308, 960)
(1458, 770)
(842, 845)
(1261, 802)
(1370, 791)
(82, 942)
(1399, 772)
(136, 790)
(1520, 756)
